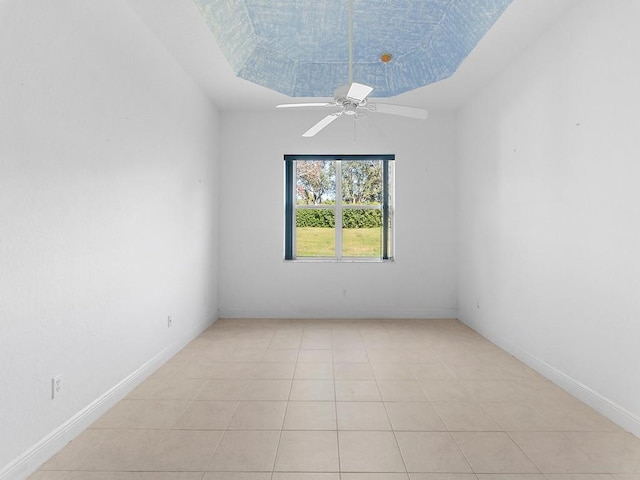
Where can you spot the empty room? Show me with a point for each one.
(305, 240)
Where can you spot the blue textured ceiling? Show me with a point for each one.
(301, 47)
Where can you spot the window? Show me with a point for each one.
(339, 207)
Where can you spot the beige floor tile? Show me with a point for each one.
(258, 415)
(574, 416)
(392, 371)
(431, 371)
(206, 415)
(493, 391)
(353, 371)
(312, 390)
(580, 476)
(540, 389)
(375, 476)
(465, 417)
(516, 476)
(166, 476)
(479, 371)
(236, 370)
(414, 416)
(401, 391)
(316, 340)
(619, 452)
(287, 342)
(274, 371)
(345, 344)
(553, 452)
(446, 391)
(315, 356)
(150, 414)
(455, 476)
(307, 451)
(517, 417)
(431, 452)
(116, 415)
(289, 355)
(310, 416)
(305, 476)
(168, 389)
(420, 355)
(245, 451)
(222, 390)
(262, 341)
(267, 390)
(247, 355)
(183, 450)
(362, 416)
(369, 452)
(199, 367)
(213, 354)
(314, 371)
(357, 391)
(75, 451)
(493, 452)
(48, 475)
(101, 476)
(342, 355)
(236, 476)
(385, 355)
(122, 450)
(439, 380)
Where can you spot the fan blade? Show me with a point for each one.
(297, 105)
(321, 124)
(401, 110)
(358, 91)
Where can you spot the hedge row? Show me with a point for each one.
(350, 218)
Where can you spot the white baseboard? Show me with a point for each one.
(614, 412)
(231, 312)
(32, 459)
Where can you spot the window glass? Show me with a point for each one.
(362, 233)
(362, 182)
(315, 232)
(315, 182)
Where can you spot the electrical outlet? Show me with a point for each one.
(169, 321)
(56, 386)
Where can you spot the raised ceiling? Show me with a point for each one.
(179, 25)
(304, 48)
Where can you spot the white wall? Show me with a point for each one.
(254, 279)
(108, 206)
(549, 207)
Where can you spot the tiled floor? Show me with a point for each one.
(347, 400)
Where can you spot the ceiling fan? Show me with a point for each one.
(351, 99)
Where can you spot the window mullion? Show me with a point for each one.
(385, 210)
(338, 210)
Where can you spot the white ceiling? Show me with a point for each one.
(180, 27)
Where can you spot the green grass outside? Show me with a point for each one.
(320, 242)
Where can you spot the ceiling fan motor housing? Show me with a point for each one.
(350, 107)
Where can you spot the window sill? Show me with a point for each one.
(341, 260)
